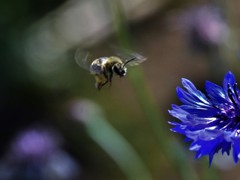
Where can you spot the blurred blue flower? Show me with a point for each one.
(205, 26)
(36, 153)
(211, 122)
(35, 144)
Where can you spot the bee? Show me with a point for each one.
(103, 68)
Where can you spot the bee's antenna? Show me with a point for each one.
(129, 60)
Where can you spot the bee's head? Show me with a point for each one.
(119, 69)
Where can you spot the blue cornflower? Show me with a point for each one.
(212, 121)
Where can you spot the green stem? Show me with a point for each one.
(148, 103)
(112, 142)
(118, 148)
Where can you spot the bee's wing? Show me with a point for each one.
(135, 60)
(82, 59)
(129, 57)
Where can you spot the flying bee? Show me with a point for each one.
(103, 68)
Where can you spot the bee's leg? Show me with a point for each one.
(109, 77)
(100, 81)
(98, 85)
(105, 83)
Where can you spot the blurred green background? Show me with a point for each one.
(56, 125)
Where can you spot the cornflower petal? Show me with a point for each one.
(236, 148)
(193, 90)
(212, 121)
(217, 96)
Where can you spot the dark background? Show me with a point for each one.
(40, 81)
